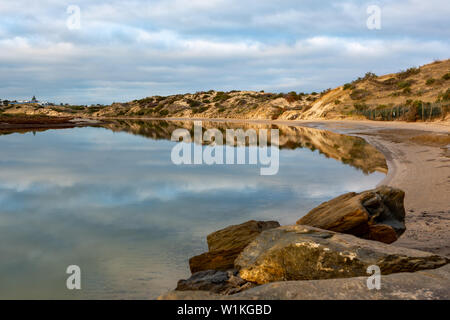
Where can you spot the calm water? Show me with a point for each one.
(110, 201)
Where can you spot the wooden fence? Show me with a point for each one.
(415, 112)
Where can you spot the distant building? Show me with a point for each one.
(33, 100)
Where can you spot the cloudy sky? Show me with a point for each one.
(132, 49)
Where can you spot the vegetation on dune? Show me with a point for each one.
(412, 94)
(408, 73)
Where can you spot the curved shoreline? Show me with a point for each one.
(420, 168)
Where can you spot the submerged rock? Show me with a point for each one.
(226, 244)
(375, 214)
(224, 282)
(308, 253)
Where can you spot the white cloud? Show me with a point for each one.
(137, 48)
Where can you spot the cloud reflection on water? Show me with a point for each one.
(114, 204)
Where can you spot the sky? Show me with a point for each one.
(119, 50)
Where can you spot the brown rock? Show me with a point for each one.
(307, 253)
(375, 214)
(382, 233)
(214, 260)
(223, 282)
(226, 244)
(238, 236)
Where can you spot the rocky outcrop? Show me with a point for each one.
(375, 214)
(226, 244)
(224, 282)
(307, 253)
(422, 285)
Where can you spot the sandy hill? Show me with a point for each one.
(418, 93)
(428, 86)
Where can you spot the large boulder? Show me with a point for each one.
(307, 253)
(421, 285)
(375, 214)
(226, 244)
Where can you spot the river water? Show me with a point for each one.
(110, 200)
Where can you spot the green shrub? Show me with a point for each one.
(77, 108)
(292, 97)
(360, 106)
(408, 73)
(145, 100)
(199, 110)
(221, 96)
(358, 94)
(430, 81)
(446, 76)
(407, 90)
(348, 86)
(164, 112)
(193, 103)
(404, 84)
(389, 82)
(445, 96)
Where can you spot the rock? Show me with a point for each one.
(382, 233)
(238, 236)
(376, 214)
(226, 244)
(225, 282)
(422, 285)
(307, 253)
(216, 260)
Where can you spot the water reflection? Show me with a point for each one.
(115, 205)
(350, 150)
